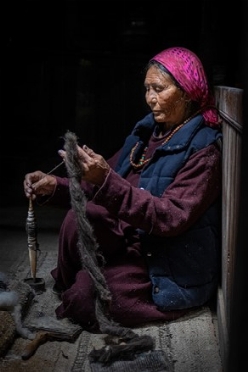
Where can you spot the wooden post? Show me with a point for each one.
(229, 102)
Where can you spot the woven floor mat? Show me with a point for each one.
(187, 344)
(161, 355)
(154, 361)
(41, 313)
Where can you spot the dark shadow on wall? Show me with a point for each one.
(78, 68)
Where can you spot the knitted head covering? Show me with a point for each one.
(188, 71)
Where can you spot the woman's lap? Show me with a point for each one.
(125, 273)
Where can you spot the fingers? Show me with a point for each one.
(62, 153)
(30, 188)
(29, 191)
(37, 183)
(88, 151)
(27, 184)
(94, 167)
(85, 153)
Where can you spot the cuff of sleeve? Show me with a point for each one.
(109, 194)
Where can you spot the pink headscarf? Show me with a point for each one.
(188, 70)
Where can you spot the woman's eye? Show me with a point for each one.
(156, 89)
(159, 89)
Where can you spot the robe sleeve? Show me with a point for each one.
(61, 194)
(196, 186)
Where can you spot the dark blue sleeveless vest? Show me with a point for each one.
(184, 270)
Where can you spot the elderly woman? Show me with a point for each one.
(154, 206)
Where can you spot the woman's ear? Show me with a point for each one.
(186, 97)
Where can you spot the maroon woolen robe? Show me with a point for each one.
(115, 212)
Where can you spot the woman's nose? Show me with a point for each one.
(151, 98)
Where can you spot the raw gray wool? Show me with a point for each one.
(121, 342)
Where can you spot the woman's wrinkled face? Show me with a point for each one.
(165, 99)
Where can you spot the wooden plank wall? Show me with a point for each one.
(229, 102)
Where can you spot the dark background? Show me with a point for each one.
(78, 65)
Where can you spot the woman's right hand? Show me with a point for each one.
(38, 183)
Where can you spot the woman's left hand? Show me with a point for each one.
(94, 166)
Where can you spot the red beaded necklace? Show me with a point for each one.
(142, 161)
